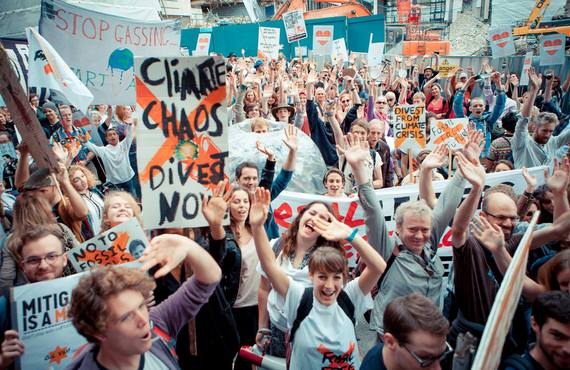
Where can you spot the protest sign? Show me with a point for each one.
(349, 210)
(268, 43)
(25, 118)
(375, 53)
(99, 47)
(322, 39)
(552, 49)
(446, 69)
(339, 50)
(506, 301)
(501, 40)
(301, 51)
(452, 132)
(526, 66)
(47, 69)
(295, 27)
(40, 315)
(203, 44)
(182, 138)
(409, 127)
(121, 244)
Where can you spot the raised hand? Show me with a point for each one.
(264, 150)
(474, 173)
(291, 137)
(214, 208)
(167, 250)
(534, 80)
(491, 236)
(331, 228)
(355, 151)
(436, 158)
(475, 144)
(61, 153)
(530, 180)
(259, 207)
(558, 182)
(312, 77)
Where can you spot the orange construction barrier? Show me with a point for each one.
(426, 47)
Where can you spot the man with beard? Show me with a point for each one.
(540, 148)
(550, 322)
(477, 275)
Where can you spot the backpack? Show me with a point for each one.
(303, 310)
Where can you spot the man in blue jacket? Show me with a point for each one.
(483, 121)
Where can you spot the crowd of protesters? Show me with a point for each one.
(220, 287)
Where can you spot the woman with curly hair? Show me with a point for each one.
(83, 181)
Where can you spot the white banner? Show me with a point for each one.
(203, 44)
(323, 39)
(375, 53)
(348, 210)
(47, 69)
(295, 25)
(339, 50)
(501, 40)
(268, 43)
(526, 66)
(99, 48)
(552, 49)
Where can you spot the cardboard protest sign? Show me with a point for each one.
(288, 204)
(202, 44)
(501, 40)
(323, 39)
(40, 315)
(452, 132)
(99, 47)
(121, 244)
(268, 43)
(506, 301)
(295, 25)
(409, 127)
(182, 138)
(339, 50)
(446, 69)
(526, 66)
(25, 118)
(552, 49)
(375, 53)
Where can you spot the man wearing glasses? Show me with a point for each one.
(414, 336)
(42, 257)
(477, 276)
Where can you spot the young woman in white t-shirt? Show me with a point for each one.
(326, 336)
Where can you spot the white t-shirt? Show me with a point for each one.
(275, 302)
(326, 338)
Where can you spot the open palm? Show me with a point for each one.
(436, 158)
(356, 151)
(491, 236)
(214, 208)
(259, 207)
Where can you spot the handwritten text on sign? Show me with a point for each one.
(409, 127)
(452, 132)
(183, 136)
(121, 244)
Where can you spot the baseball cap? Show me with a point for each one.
(258, 64)
(232, 54)
(462, 75)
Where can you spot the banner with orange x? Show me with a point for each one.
(182, 140)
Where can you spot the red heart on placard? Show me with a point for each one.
(204, 39)
(552, 46)
(527, 61)
(323, 37)
(500, 36)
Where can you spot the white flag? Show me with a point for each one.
(47, 69)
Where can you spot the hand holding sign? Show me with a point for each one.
(12, 347)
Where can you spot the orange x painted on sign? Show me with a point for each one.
(205, 146)
(450, 132)
(411, 132)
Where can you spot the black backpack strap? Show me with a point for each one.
(393, 256)
(303, 310)
(346, 305)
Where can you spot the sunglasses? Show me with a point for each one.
(426, 362)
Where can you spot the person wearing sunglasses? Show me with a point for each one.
(414, 336)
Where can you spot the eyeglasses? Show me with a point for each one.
(380, 102)
(391, 99)
(425, 362)
(501, 218)
(35, 261)
(345, 101)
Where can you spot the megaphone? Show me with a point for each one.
(253, 355)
